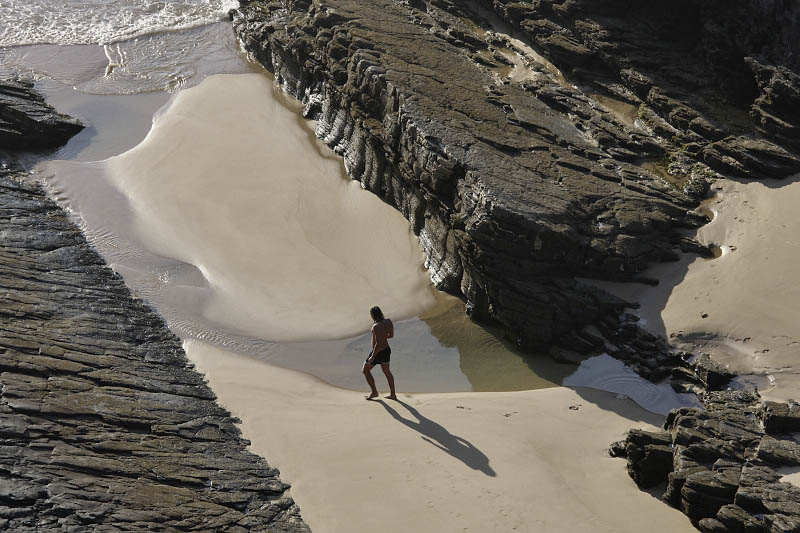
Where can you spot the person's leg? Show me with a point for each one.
(367, 370)
(390, 379)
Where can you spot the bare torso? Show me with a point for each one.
(381, 332)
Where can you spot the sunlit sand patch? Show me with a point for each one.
(791, 474)
(292, 250)
(743, 307)
(502, 461)
(625, 112)
(519, 51)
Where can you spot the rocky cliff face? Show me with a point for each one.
(516, 181)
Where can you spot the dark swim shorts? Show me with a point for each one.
(381, 357)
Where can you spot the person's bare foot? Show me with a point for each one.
(391, 397)
(372, 396)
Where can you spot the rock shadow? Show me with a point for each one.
(437, 435)
(769, 183)
(619, 404)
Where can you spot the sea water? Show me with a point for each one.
(120, 47)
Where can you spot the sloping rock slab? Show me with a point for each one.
(104, 425)
(723, 76)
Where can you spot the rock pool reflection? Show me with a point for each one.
(490, 362)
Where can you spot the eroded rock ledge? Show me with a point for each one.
(514, 187)
(102, 420)
(721, 79)
(722, 464)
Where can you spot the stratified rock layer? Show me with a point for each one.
(28, 122)
(721, 78)
(721, 464)
(103, 424)
(515, 187)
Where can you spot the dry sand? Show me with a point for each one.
(791, 474)
(507, 461)
(743, 307)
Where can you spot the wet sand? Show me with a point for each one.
(155, 62)
(524, 461)
(744, 306)
(791, 474)
(276, 234)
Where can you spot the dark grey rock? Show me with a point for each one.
(712, 374)
(28, 122)
(723, 473)
(720, 78)
(781, 417)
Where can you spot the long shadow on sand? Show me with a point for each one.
(437, 435)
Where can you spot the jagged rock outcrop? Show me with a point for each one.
(28, 122)
(721, 77)
(721, 464)
(515, 181)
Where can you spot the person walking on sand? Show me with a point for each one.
(382, 330)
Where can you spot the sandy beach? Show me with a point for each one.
(273, 232)
(236, 248)
(743, 307)
(525, 461)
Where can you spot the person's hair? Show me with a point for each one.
(376, 313)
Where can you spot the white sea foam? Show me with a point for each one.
(25, 22)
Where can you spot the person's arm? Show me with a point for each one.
(390, 332)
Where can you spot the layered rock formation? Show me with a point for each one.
(720, 78)
(722, 465)
(532, 144)
(103, 422)
(516, 181)
(27, 122)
